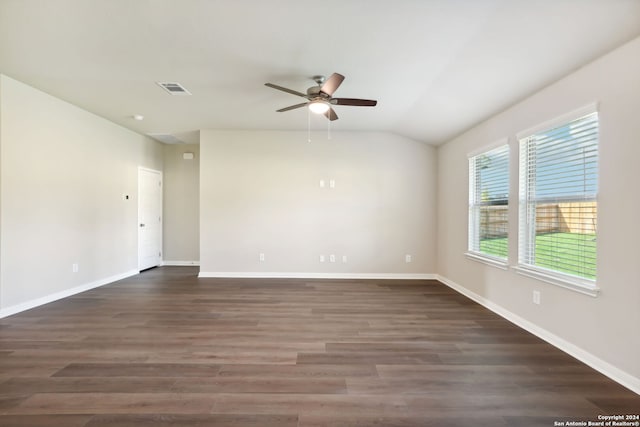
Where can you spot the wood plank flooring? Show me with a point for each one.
(165, 348)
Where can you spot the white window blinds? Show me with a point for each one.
(489, 202)
(558, 191)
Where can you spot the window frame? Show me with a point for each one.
(565, 280)
(473, 229)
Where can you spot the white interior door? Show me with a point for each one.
(149, 218)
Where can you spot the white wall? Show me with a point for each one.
(181, 205)
(605, 327)
(260, 193)
(64, 172)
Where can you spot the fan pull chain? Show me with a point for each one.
(308, 125)
(329, 128)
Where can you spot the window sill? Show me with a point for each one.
(575, 285)
(493, 262)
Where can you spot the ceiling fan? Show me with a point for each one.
(320, 98)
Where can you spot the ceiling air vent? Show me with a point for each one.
(174, 88)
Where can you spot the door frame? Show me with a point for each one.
(159, 172)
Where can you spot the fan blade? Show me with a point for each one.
(355, 102)
(332, 83)
(331, 114)
(292, 107)
(284, 89)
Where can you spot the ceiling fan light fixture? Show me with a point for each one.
(319, 107)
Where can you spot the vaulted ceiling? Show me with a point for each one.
(436, 67)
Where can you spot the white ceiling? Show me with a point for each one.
(436, 67)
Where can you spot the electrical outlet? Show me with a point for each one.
(74, 267)
(332, 183)
(536, 297)
(321, 258)
(261, 257)
(332, 258)
(407, 258)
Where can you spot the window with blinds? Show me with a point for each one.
(489, 203)
(558, 200)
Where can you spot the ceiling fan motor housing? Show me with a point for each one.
(314, 93)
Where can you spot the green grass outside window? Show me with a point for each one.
(555, 251)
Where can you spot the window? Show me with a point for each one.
(489, 203)
(558, 206)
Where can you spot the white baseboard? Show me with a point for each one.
(180, 263)
(303, 275)
(14, 309)
(616, 374)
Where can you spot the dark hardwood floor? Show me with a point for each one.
(168, 349)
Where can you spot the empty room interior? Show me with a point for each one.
(338, 213)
